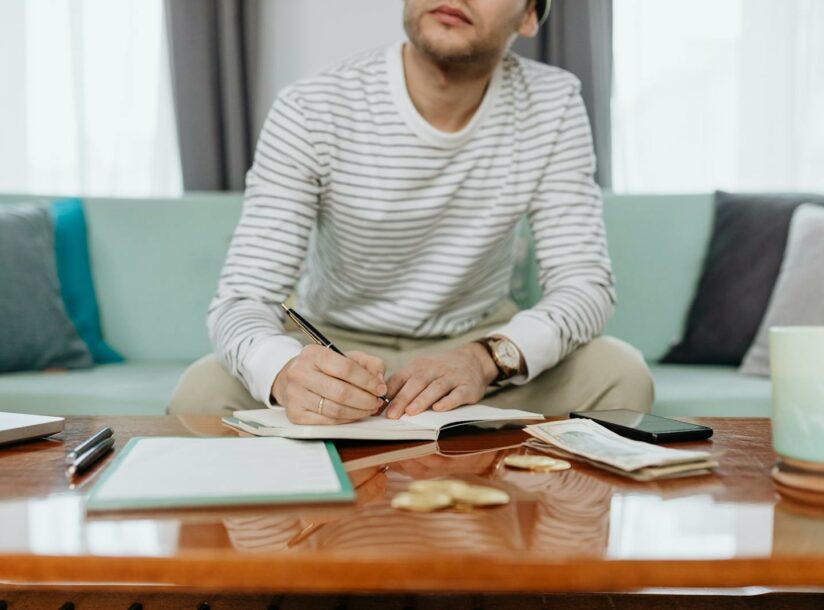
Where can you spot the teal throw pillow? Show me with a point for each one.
(76, 286)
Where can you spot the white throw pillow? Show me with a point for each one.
(798, 296)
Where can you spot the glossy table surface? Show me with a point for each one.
(578, 530)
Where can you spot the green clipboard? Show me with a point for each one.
(93, 503)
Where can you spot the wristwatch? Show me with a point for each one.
(506, 356)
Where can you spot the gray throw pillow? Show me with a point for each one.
(35, 331)
(798, 296)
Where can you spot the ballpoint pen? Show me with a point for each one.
(315, 335)
(99, 436)
(89, 458)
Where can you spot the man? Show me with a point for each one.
(410, 167)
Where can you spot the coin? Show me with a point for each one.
(448, 486)
(479, 495)
(536, 463)
(421, 502)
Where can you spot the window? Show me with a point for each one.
(718, 94)
(87, 107)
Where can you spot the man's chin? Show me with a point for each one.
(447, 49)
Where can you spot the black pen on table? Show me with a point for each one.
(89, 458)
(90, 442)
(315, 335)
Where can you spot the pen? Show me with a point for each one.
(315, 335)
(89, 458)
(101, 435)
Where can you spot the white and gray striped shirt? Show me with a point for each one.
(382, 223)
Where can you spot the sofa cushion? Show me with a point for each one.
(709, 391)
(35, 331)
(156, 265)
(798, 297)
(657, 244)
(741, 266)
(131, 388)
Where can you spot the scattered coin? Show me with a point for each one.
(479, 495)
(536, 463)
(422, 502)
(448, 486)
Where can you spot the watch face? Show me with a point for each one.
(508, 354)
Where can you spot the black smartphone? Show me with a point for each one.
(645, 427)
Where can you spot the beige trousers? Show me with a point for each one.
(603, 374)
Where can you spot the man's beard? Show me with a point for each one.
(479, 54)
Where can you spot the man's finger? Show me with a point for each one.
(456, 398)
(341, 392)
(414, 386)
(350, 371)
(310, 413)
(430, 395)
(372, 364)
(397, 381)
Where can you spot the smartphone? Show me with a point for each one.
(645, 427)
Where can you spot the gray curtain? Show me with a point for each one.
(212, 45)
(578, 38)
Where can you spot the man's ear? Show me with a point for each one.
(529, 23)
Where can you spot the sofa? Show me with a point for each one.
(155, 264)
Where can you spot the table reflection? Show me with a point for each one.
(691, 527)
(562, 515)
(58, 525)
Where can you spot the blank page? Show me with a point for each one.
(275, 417)
(216, 471)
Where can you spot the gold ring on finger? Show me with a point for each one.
(320, 405)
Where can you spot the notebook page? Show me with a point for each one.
(275, 417)
(176, 468)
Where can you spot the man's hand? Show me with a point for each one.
(350, 386)
(441, 382)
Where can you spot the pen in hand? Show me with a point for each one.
(315, 335)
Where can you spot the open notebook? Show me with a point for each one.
(425, 426)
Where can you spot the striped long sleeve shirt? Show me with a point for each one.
(379, 222)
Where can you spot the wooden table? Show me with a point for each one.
(576, 531)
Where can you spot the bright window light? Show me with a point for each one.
(89, 106)
(718, 94)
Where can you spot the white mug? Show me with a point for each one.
(797, 368)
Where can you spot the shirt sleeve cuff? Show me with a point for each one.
(538, 340)
(264, 363)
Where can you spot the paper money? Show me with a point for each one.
(602, 447)
(651, 473)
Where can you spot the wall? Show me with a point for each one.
(299, 38)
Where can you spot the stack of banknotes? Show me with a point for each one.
(583, 439)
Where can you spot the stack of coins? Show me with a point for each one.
(535, 463)
(429, 496)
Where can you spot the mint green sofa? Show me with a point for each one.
(156, 262)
